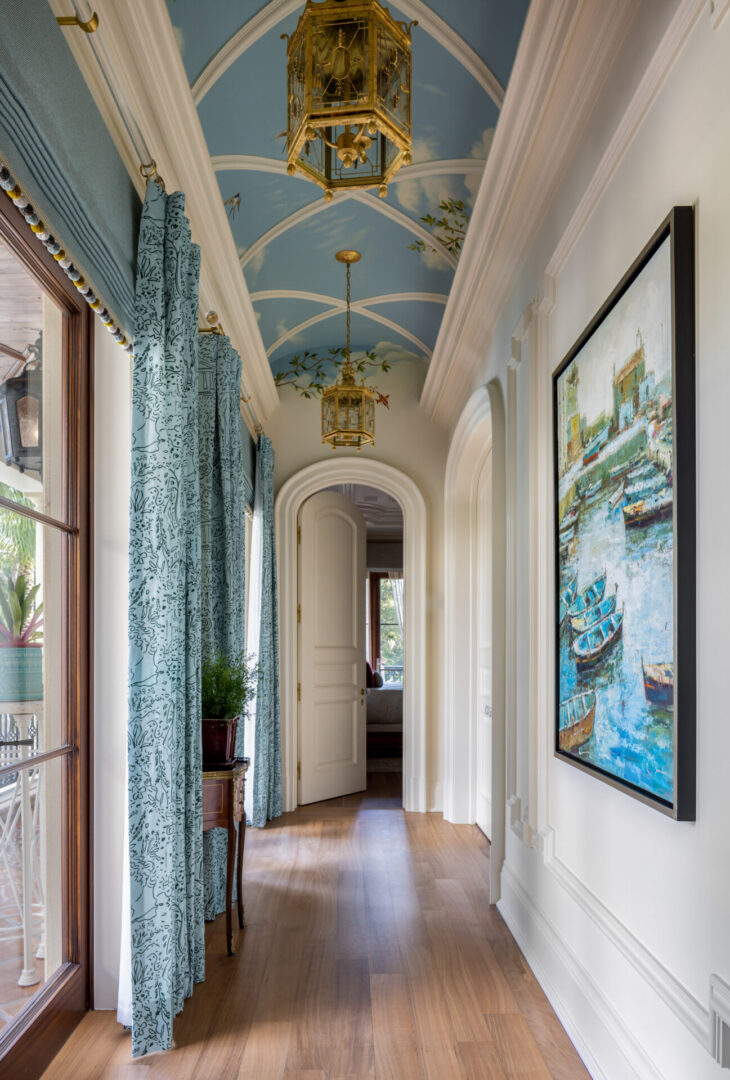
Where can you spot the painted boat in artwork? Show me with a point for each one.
(619, 470)
(566, 533)
(649, 485)
(595, 445)
(592, 490)
(592, 645)
(576, 716)
(569, 518)
(651, 509)
(618, 495)
(647, 469)
(658, 683)
(580, 623)
(590, 596)
(567, 596)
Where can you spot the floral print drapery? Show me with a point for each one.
(223, 532)
(164, 749)
(267, 759)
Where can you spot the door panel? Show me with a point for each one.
(332, 750)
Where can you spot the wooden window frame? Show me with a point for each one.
(34, 1037)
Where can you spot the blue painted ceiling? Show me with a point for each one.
(291, 273)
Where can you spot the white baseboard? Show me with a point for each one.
(608, 1048)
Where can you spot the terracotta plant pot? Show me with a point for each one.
(219, 740)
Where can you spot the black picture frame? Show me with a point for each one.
(678, 227)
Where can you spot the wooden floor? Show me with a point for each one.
(371, 953)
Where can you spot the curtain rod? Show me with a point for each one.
(87, 20)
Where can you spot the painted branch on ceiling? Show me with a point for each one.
(307, 372)
(448, 229)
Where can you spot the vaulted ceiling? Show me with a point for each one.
(285, 233)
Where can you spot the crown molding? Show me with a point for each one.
(141, 43)
(277, 10)
(566, 51)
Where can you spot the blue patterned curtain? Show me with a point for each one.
(164, 748)
(267, 758)
(223, 533)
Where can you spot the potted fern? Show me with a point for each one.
(228, 684)
(21, 641)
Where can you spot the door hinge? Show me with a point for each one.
(299, 612)
(299, 770)
(299, 534)
(299, 691)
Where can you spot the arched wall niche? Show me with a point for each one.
(479, 435)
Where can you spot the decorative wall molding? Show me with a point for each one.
(566, 51)
(590, 1018)
(720, 1021)
(277, 10)
(717, 10)
(666, 986)
(373, 473)
(141, 43)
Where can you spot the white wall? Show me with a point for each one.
(112, 423)
(407, 441)
(623, 912)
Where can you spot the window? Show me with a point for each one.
(385, 626)
(45, 428)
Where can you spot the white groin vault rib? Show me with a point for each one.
(277, 10)
(369, 301)
(358, 307)
(319, 206)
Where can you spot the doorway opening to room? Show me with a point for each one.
(351, 605)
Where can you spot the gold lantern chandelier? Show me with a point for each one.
(348, 409)
(348, 95)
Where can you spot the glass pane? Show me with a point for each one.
(391, 634)
(32, 333)
(31, 883)
(31, 632)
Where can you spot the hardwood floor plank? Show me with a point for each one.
(371, 953)
(396, 1055)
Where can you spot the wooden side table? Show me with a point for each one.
(223, 794)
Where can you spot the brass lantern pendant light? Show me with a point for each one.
(348, 409)
(348, 95)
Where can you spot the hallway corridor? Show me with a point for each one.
(371, 952)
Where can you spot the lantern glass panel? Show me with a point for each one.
(28, 421)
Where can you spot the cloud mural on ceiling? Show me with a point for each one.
(285, 237)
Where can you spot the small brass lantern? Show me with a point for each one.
(348, 95)
(348, 409)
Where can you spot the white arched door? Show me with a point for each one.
(332, 738)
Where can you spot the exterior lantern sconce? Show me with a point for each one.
(21, 421)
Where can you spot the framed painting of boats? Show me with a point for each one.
(624, 472)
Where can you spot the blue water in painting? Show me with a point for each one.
(632, 739)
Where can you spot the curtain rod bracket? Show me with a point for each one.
(214, 326)
(73, 20)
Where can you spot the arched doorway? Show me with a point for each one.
(288, 503)
(475, 655)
